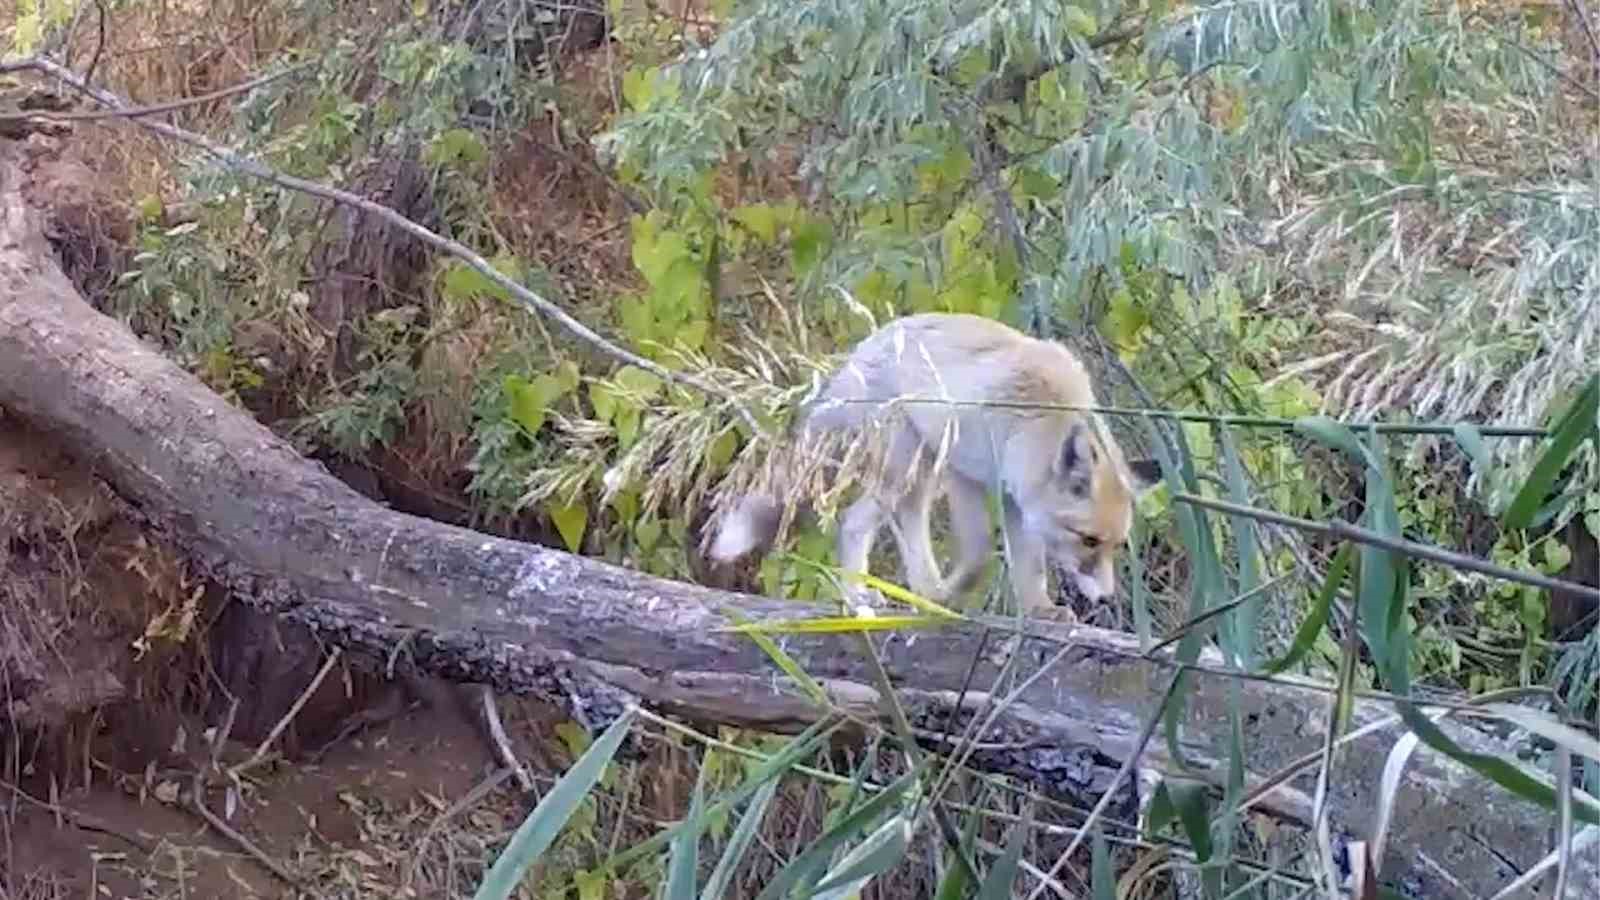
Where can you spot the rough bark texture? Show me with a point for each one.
(288, 537)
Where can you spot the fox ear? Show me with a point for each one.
(1076, 451)
(1146, 474)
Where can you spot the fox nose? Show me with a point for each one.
(1091, 586)
(1096, 580)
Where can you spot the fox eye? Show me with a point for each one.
(1090, 542)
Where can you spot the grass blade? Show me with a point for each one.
(1470, 439)
(683, 863)
(1576, 424)
(1500, 771)
(1103, 882)
(1207, 587)
(539, 830)
(880, 852)
(803, 744)
(783, 660)
(1240, 633)
(845, 831)
(956, 877)
(1548, 727)
(743, 833)
(1306, 635)
(997, 884)
(838, 625)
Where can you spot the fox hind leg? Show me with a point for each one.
(973, 533)
(913, 525)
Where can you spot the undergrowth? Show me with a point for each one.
(1262, 211)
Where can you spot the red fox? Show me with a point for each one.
(964, 391)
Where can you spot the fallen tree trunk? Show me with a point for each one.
(286, 536)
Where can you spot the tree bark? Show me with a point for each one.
(286, 536)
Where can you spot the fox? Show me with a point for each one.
(968, 406)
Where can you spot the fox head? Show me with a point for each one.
(1089, 507)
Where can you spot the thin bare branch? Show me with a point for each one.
(1410, 548)
(154, 109)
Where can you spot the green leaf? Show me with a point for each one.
(1500, 771)
(784, 661)
(722, 876)
(456, 144)
(839, 624)
(1079, 21)
(803, 744)
(529, 400)
(1238, 628)
(845, 831)
(1470, 439)
(641, 385)
(1577, 424)
(1187, 802)
(760, 219)
(1335, 434)
(647, 532)
(1103, 881)
(957, 879)
(638, 322)
(539, 830)
(997, 885)
(683, 861)
(808, 244)
(570, 520)
(1306, 635)
(881, 851)
(722, 449)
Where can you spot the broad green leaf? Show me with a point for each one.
(637, 320)
(678, 293)
(1079, 21)
(568, 376)
(1577, 424)
(603, 398)
(643, 385)
(456, 144)
(539, 830)
(760, 219)
(571, 520)
(722, 449)
(808, 243)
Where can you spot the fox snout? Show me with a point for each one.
(1095, 579)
